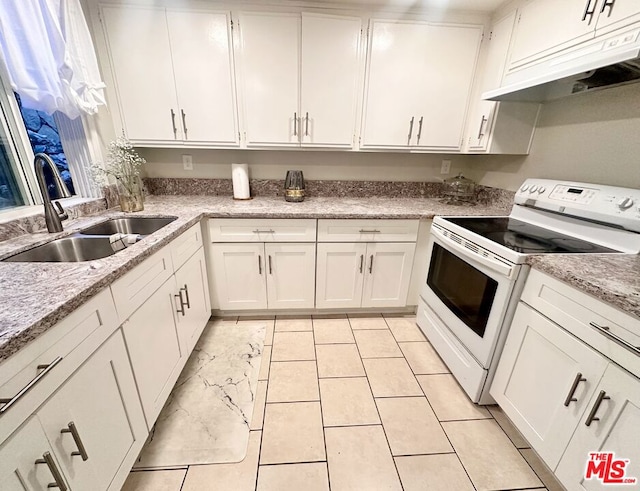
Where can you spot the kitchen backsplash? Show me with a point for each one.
(356, 189)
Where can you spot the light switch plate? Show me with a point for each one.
(187, 162)
(446, 167)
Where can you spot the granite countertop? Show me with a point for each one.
(612, 278)
(53, 290)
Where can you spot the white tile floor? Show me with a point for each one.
(362, 403)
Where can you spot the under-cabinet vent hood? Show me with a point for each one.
(603, 62)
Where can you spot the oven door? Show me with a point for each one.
(470, 292)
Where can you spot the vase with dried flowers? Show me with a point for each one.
(124, 164)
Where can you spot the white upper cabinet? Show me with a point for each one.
(548, 26)
(418, 84)
(299, 78)
(270, 52)
(173, 75)
(330, 76)
(499, 127)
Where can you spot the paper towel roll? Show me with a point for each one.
(240, 180)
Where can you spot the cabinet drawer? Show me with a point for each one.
(185, 246)
(346, 230)
(577, 312)
(130, 291)
(62, 348)
(262, 230)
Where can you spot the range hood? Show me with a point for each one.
(602, 62)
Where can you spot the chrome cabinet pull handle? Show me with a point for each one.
(481, 130)
(8, 402)
(371, 264)
(173, 122)
(270, 268)
(180, 310)
(419, 129)
(410, 130)
(592, 415)
(606, 330)
(579, 378)
(259, 264)
(610, 4)
(82, 451)
(185, 288)
(184, 124)
(588, 11)
(270, 231)
(306, 126)
(53, 468)
(361, 262)
(374, 231)
(295, 124)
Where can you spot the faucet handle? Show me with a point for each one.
(62, 214)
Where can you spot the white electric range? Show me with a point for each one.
(477, 266)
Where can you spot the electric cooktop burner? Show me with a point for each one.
(526, 238)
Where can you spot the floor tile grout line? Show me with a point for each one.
(379, 416)
(324, 436)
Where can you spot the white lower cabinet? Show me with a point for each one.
(193, 308)
(569, 381)
(154, 348)
(352, 275)
(610, 424)
(84, 434)
(544, 381)
(94, 422)
(259, 276)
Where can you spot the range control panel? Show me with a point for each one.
(608, 204)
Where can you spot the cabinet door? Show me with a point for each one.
(340, 275)
(101, 402)
(481, 119)
(544, 381)
(616, 430)
(617, 14)
(442, 98)
(154, 348)
(269, 62)
(202, 63)
(546, 26)
(140, 58)
(18, 455)
(387, 274)
(397, 70)
(330, 76)
(193, 289)
(291, 276)
(238, 272)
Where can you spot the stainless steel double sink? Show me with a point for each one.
(92, 242)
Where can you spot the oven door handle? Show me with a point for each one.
(503, 269)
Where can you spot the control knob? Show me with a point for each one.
(524, 188)
(625, 203)
(541, 189)
(533, 189)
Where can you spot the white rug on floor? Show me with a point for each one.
(207, 416)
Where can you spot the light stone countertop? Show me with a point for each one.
(612, 278)
(35, 296)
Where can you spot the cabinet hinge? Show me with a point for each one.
(519, 17)
(231, 22)
(490, 35)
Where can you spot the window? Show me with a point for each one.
(14, 187)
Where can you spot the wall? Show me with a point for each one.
(320, 165)
(588, 137)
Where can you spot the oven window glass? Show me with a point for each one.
(467, 292)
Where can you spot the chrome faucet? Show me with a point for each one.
(52, 217)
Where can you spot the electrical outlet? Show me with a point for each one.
(446, 167)
(187, 162)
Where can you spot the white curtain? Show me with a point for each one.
(48, 56)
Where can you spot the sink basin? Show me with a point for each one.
(128, 225)
(67, 249)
